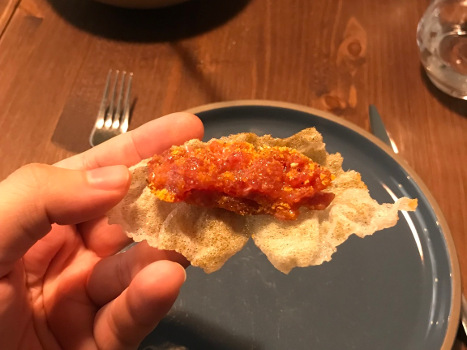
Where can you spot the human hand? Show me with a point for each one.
(62, 285)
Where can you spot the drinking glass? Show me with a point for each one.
(442, 40)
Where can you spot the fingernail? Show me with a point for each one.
(108, 178)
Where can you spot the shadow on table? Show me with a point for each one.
(180, 331)
(149, 25)
(454, 104)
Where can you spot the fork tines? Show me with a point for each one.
(114, 118)
(114, 111)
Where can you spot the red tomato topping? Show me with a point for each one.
(237, 177)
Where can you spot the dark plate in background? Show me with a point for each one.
(397, 289)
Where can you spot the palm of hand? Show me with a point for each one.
(70, 292)
(49, 282)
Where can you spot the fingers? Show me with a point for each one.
(102, 238)
(141, 143)
(129, 149)
(36, 196)
(112, 275)
(124, 322)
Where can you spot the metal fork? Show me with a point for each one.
(114, 111)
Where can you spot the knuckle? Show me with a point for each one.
(24, 194)
(123, 273)
(33, 172)
(34, 177)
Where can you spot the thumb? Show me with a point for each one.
(37, 195)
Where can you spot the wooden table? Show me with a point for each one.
(337, 56)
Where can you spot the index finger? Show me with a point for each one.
(141, 143)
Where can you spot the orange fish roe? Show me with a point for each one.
(237, 177)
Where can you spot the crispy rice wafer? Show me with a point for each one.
(206, 237)
(209, 237)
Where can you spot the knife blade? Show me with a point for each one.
(379, 130)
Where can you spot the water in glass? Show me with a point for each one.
(442, 39)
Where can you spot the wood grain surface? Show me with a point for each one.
(7, 8)
(334, 55)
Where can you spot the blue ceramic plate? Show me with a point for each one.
(398, 289)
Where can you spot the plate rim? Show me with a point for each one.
(454, 312)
